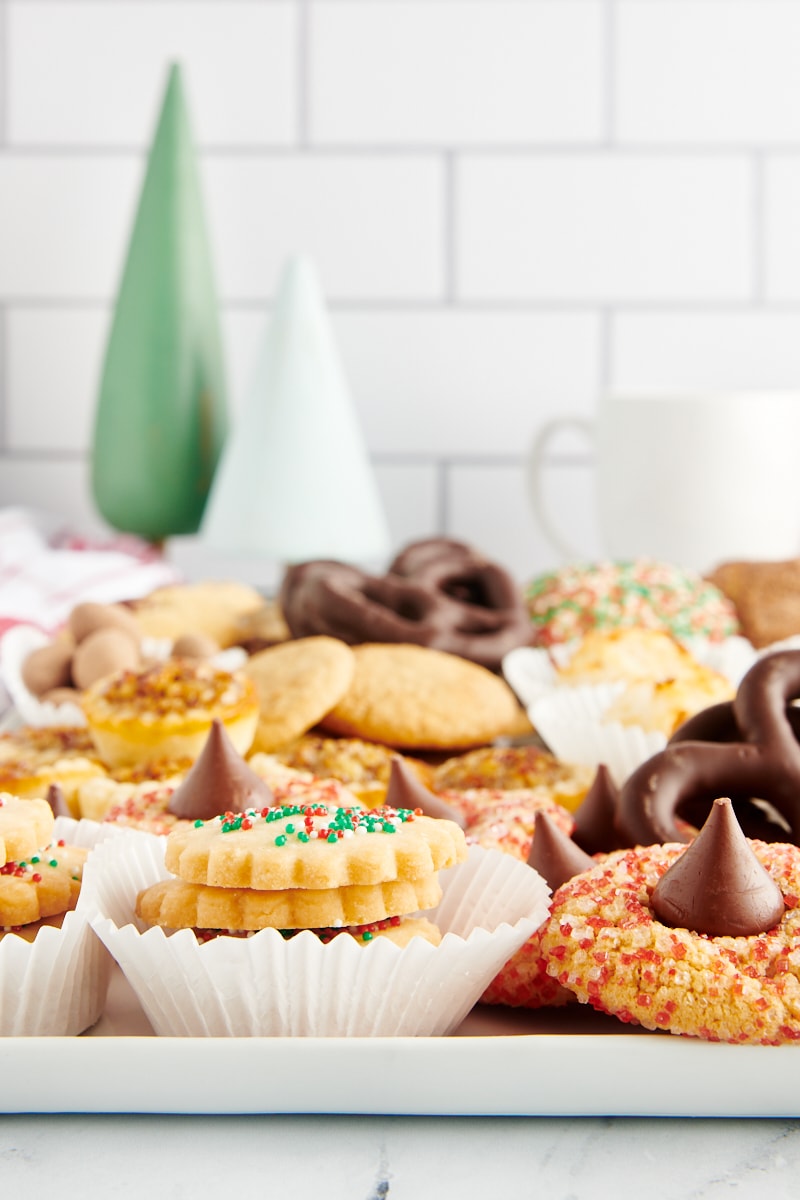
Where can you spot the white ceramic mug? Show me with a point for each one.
(695, 478)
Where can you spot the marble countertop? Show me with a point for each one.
(399, 1158)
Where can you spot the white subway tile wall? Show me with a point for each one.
(514, 205)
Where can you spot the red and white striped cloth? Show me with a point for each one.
(46, 569)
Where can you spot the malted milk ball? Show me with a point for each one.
(103, 653)
(48, 668)
(88, 617)
(194, 645)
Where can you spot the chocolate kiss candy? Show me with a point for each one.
(55, 798)
(220, 781)
(554, 855)
(718, 886)
(595, 829)
(406, 790)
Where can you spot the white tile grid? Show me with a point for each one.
(513, 204)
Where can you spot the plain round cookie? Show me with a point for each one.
(604, 943)
(213, 607)
(415, 698)
(298, 683)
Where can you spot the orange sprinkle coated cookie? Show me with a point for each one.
(505, 821)
(604, 943)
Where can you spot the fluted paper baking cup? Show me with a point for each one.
(268, 986)
(570, 721)
(56, 985)
(532, 672)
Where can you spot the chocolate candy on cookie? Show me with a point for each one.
(699, 940)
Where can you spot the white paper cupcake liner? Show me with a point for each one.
(532, 672)
(570, 721)
(267, 986)
(56, 985)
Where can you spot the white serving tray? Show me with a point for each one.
(561, 1062)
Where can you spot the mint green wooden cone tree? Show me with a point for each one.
(161, 414)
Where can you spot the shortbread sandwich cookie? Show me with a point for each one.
(313, 846)
(166, 711)
(381, 979)
(174, 904)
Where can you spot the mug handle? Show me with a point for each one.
(535, 478)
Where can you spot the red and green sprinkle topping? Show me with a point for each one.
(26, 868)
(301, 823)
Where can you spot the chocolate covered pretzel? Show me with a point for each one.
(755, 755)
(437, 592)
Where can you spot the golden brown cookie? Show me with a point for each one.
(175, 904)
(43, 884)
(24, 826)
(313, 846)
(166, 711)
(412, 697)
(31, 759)
(507, 768)
(298, 683)
(363, 766)
(262, 627)
(766, 596)
(213, 608)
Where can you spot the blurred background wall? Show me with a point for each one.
(513, 205)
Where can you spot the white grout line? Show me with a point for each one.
(610, 67)
(759, 233)
(303, 33)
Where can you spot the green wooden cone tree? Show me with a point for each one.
(161, 416)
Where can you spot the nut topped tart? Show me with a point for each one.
(31, 759)
(166, 711)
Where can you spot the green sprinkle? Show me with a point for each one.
(280, 840)
(331, 837)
